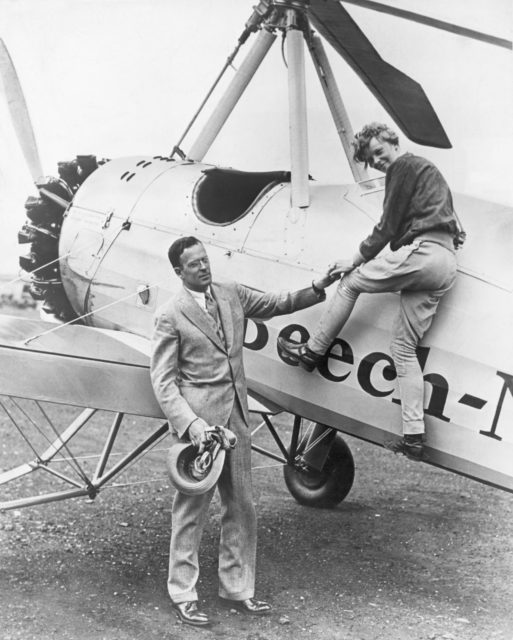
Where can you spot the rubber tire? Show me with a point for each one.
(327, 488)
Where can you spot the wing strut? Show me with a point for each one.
(232, 95)
(336, 104)
(402, 97)
(49, 459)
(298, 127)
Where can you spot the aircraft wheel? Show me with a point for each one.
(326, 488)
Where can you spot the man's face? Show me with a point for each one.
(195, 268)
(380, 154)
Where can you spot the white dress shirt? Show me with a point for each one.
(199, 296)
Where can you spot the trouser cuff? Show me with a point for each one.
(241, 595)
(413, 427)
(184, 596)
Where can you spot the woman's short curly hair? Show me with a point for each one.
(369, 131)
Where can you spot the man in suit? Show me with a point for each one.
(198, 378)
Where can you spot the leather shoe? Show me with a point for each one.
(411, 445)
(250, 605)
(189, 613)
(298, 353)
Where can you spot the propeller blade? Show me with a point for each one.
(19, 112)
(403, 98)
(433, 22)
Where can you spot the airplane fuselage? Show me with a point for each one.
(114, 243)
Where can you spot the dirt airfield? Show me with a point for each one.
(413, 553)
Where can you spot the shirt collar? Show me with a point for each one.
(199, 296)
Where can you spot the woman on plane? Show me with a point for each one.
(419, 224)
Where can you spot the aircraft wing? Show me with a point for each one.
(83, 366)
(76, 365)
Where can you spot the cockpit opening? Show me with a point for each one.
(223, 196)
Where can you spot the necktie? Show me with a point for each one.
(213, 312)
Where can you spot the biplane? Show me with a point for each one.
(97, 238)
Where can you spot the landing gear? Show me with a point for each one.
(318, 466)
(326, 487)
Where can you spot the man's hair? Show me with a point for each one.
(178, 247)
(369, 131)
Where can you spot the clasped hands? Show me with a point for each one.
(337, 268)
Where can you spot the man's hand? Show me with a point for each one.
(324, 281)
(198, 434)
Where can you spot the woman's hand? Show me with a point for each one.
(337, 268)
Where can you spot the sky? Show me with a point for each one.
(124, 77)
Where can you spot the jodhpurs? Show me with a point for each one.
(422, 272)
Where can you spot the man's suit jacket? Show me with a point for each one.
(194, 374)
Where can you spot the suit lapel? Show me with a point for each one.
(198, 317)
(225, 314)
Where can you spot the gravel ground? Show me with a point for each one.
(413, 553)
